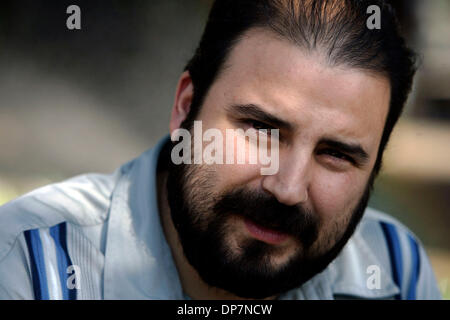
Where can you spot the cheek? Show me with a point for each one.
(334, 195)
(238, 172)
(231, 176)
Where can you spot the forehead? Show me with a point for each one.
(300, 87)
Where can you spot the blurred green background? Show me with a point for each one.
(89, 100)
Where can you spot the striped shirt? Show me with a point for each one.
(99, 236)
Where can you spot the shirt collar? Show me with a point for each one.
(138, 259)
(353, 267)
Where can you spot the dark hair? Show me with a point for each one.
(337, 28)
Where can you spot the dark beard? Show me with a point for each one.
(201, 219)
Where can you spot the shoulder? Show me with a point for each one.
(83, 200)
(375, 217)
(378, 229)
(385, 247)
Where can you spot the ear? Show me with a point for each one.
(183, 100)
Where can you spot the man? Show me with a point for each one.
(326, 91)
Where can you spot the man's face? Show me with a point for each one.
(255, 235)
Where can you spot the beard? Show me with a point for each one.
(246, 266)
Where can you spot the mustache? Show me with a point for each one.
(265, 210)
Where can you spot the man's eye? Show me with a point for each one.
(258, 125)
(338, 155)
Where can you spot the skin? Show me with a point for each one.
(319, 102)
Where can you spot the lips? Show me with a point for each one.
(264, 234)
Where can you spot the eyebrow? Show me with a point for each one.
(352, 149)
(256, 112)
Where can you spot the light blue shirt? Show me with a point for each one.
(99, 236)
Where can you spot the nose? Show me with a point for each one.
(290, 185)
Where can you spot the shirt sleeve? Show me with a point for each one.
(427, 288)
(15, 277)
